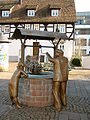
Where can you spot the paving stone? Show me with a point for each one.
(4, 109)
(74, 116)
(63, 117)
(78, 105)
(84, 117)
(88, 116)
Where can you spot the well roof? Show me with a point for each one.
(35, 34)
(18, 14)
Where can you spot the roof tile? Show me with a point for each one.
(43, 7)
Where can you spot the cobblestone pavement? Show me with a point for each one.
(78, 105)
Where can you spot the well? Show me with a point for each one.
(36, 90)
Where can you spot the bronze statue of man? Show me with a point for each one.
(56, 80)
(60, 78)
(13, 84)
(64, 71)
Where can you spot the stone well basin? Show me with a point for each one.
(36, 90)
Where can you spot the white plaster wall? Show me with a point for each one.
(14, 49)
(68, 49)
(15, 46)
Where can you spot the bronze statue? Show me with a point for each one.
(32, 64)
(27, 62)
(13, 84)
(56, 81)
(60, 78)
(64, 71)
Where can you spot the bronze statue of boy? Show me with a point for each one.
(13, 84)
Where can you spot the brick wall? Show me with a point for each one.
(36, 92)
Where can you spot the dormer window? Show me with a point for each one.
(5, 13)
(54, 12)
(30, 12)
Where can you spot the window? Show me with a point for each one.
(0, 29)
(83, 42)
(6, 29)
(80, 21)
(83, 52)
(84, 31)
(89, 42)
(62, 47)
(36, 26)
(42, 58)
(54, 12)
(5, 13)
(31, 13)
(20, 1)
(62, 28)
(27, 26)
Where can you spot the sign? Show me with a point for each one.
(4, 57)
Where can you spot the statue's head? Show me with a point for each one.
(59, 53)
(28, 57)
(20, 65)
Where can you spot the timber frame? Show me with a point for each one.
(18, 15)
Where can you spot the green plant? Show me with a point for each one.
(76, 62)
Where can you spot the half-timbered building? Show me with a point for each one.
(43, 15)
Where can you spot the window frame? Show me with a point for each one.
(27, 26)
(42, 58)
(30, 14)
(6, 29)
(55, 12)
(3, 13)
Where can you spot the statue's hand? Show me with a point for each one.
(25, 76)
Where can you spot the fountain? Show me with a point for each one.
(36, 89)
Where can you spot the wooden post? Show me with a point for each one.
(35, 48)
(45, 29)
(22, 52)
(55, 48)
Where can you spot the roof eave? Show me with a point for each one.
(34, 34)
